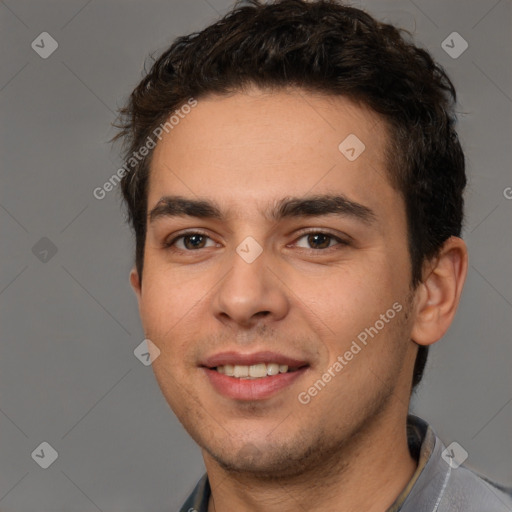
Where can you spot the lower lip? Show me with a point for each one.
(251, 389)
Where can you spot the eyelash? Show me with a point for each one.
(170, 244)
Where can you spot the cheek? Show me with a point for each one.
(347, 308)
(164, 301)
(174, 314)
(345, 298)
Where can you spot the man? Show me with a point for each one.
(294, 181)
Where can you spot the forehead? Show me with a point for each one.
(258, 145)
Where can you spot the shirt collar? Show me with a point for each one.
(421, 440)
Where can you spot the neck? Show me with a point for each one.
(366, 473)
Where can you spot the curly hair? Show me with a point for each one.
(326, 47)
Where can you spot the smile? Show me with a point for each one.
(254, 371)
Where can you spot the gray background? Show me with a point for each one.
(69, 325)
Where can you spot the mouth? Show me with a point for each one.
(250, 377)
(255, 371)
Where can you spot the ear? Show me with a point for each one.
(135, 282)
(438, 296)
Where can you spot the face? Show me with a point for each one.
(283, 250)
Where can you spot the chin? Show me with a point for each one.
(270, 462)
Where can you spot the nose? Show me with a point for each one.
(250, 292)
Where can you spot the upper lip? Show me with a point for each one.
(238, 358)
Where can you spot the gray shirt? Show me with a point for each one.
(439, 484)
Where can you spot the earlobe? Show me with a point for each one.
(135, 282)
(438, 296)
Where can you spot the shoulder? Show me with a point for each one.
(468, 491)
(443, 484)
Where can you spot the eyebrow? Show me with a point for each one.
(288, 207)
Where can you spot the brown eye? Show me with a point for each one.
(319, 240)
(191, 241)
(196, 241)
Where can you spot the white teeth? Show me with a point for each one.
(254, 371)
(258, 370)
(241, 371)
(273, 369)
